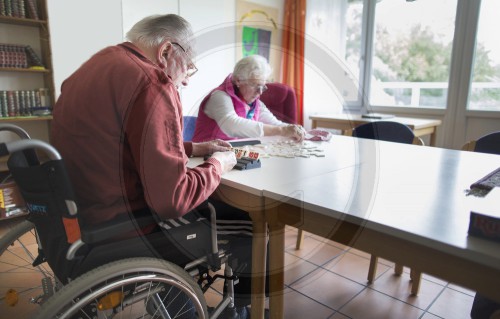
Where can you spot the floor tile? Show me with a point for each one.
(296, 268)
(328, 288)
(338, 315)
(298, 306)
(452, 304)
(399, 287)
(358, 252)
(353, 267)
(371, 304)
(430, 316)
(462, 289)
(316, 251)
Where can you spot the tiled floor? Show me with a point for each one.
(327, 280)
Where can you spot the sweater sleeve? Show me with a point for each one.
(268, 117)
(155, 138)
(220, 108)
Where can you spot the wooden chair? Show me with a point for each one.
(399, 133)
(489, 143)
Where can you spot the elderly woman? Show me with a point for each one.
(233, 109)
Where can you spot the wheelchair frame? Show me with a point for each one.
(17, 254)
(123, 283)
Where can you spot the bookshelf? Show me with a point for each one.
(26, 79)
(26, 74)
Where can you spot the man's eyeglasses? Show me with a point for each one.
(191, 68)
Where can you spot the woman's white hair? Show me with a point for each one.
(252, 67)
(156, 29)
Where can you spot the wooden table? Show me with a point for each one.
(401, 202)
(346, 122)
(244, 189)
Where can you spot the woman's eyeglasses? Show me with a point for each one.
(260, 88)
(191, 68)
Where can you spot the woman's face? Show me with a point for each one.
(251, 89)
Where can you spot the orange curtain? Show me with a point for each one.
(293, 50)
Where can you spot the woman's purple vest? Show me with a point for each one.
(206, 128)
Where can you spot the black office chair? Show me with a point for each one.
(387, 131)
(100, 276)
(189, 126)
(391, 132)
(483, 307)
(489, 143)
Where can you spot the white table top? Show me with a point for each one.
(412, 192)
(280, 170)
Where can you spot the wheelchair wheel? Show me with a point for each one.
(22, 286)
(130, 288)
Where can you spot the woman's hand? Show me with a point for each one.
(208, 148)
(294, 131)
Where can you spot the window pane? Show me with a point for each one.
(485, 89)
(412, 52)
(333, 45)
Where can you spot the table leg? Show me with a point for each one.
(433, 137)
(259, 250)
(277, 270)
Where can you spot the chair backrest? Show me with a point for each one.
(489, 143)
(386, 131)
(51, 202)
(48, 194)
(280, 99)
(14, 129)
(189, 125)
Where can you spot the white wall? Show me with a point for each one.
(75, 37)
(78, 30)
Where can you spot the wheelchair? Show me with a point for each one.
(18, 252)
(98, 277)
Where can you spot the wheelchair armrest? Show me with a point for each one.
(118, 227)
(115, 228)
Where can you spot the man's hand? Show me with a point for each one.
(207, 148)
(227, 160)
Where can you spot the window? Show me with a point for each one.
(485, 88)
(412, 44)
(333, 50)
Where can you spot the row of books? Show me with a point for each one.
(24, 103)
(19, 9)
(18, 56)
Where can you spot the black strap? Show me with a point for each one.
(3, 149)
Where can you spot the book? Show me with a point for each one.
(33, 59)
(13, 56)
(485, 216)
(485, 226)
(2, 8)
(377, 116)
(32, 9)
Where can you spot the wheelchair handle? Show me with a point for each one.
(11, 147)
(14, 129)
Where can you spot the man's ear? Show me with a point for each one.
(162, 53)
